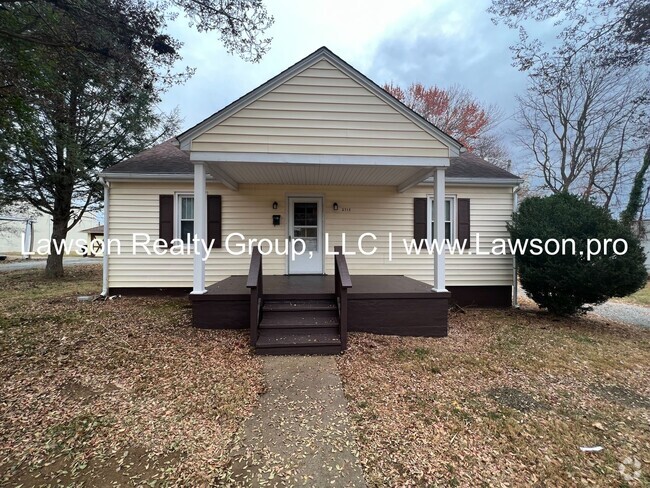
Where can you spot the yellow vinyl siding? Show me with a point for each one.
(320, 111)
(134, 208)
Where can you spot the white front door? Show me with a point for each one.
(306, 223)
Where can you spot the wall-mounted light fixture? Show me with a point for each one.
(335, 207)
(275, 205)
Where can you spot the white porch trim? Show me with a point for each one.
(200, 228)
(439, 228)
(335, 159)
(415, 179)
(223, 176)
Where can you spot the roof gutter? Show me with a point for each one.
(106, 241)
(146, 176)
(481, 181)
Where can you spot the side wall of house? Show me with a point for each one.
(134, 208)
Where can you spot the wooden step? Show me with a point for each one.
(300, 319)
(298, 305)
(281, 342)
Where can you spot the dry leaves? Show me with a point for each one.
(122, 392)
(507, 399)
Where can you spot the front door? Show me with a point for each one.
(306, 223)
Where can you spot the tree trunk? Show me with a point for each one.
(636, 193)
(54, 265)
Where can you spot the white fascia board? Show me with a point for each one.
(185, 139)
(320, 159)
(484, 181)
(147, 176)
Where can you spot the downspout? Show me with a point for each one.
(106, 247)
(515, 281)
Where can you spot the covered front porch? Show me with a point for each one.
(305, 309)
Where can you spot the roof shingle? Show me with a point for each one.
(166, 158)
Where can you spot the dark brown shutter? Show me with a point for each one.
(214, 220)
(166, 218)
(463, 221)
(420, 224)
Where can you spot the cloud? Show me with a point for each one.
(352, 29)
(453, 43)
(443, 42)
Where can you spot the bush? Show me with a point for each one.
(564, 283)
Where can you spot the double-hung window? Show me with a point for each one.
(450, 219)
(185, 218)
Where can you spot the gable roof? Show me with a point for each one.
(94, 230)
(184, 139)
(167, 159)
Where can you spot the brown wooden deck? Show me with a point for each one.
(385, 304)
(321, 286)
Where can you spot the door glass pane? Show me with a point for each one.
(305, 232)
(447, 210)
(187, 207)
(305, 213)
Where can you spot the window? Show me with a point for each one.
(450, 210)
(185, 211)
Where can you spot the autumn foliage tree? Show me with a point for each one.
(457, 112)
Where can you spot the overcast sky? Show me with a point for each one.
(440, 42)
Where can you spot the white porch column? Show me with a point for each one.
(439, 230)
(200, 227)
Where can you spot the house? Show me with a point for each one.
(95, 240)
(319, 157)
(31, 230)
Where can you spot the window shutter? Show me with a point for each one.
(166, 218)
(214, 220)
(420, 224)
(463, 221)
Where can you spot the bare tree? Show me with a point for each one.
(613, 32)
(586, 129)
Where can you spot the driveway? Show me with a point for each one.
(623, 312)
(40, 263)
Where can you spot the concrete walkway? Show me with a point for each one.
(623, 312)
(300, 434)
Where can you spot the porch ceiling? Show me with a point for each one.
(402, 177)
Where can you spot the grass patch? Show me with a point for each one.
(641, 297)
(118, 393)
(507, 399)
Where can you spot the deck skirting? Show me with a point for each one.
(393, 305)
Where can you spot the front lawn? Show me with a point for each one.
(123, 392)
(508, 399)
(641, 297)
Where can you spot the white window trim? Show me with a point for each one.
(453, 213)
(177, 216)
